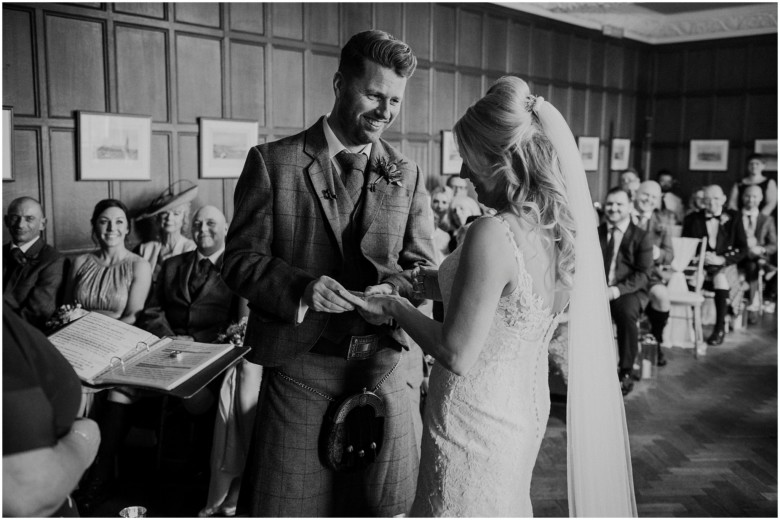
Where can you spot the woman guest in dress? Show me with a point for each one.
(755, 177)
(45, 448)
(111, 280)
(172, 215)
(503, 290)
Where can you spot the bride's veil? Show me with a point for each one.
(599, 459)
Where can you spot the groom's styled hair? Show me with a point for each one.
(379, 47)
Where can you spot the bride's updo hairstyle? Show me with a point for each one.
(499, 135)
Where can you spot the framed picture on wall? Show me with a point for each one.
(450, 158)
(224, 144)
(8, 143)
(114, 147)
(709, 154)
(589, 151)
(621, 150)
(767, 148)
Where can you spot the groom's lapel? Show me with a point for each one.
(374, 188)
(321, 175)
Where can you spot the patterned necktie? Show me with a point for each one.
(608, 250)
(352, 167)
(199, 275)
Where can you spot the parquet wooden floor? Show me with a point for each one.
(703, 434)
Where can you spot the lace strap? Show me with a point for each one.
(518, 253)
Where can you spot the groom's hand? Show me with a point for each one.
(322, 295)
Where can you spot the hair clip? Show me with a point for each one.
(531, 102)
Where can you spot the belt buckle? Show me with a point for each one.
(362, 347)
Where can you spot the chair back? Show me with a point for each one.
(675, 230)
(698, 277)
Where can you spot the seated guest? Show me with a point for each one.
(629, 182)
(32, 269)
(111, 280)
(726, 246)
(755, 177)
(191, 301)
(670, 200)
(628, 263)
(45, 448)
(657, 223)
(695, 203)
(761, 241)
(462, 211)
(440, 204)
(172, 216)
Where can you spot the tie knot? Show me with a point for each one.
(352, 161)
(18, 256)
(204, 264)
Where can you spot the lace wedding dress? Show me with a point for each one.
(483, 430)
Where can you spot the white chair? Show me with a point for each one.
(679, 292)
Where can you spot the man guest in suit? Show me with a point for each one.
(657, 222)
(628, 263)
(331, 209)
(726, 247)
(192, 301)
(761, 241)
(32, 269)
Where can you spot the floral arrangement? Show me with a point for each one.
(234, 333)
(389, 171)
(64, 315)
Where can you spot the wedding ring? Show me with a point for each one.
(176, 354)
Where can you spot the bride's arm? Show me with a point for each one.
(487, 266)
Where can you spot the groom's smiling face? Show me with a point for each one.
(366, 105)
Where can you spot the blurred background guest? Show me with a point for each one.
(755, 177)
(726, 246)
(32, 269)
(761, 242)
(671, 200)
(440, 204)
(45, 448)
(111, 280)
(171, 214)
(695, 202)
(657, 222)
(463, 211)
(629, 181)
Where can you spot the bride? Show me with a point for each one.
(504, 290)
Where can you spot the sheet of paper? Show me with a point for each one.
(169, 365)
(91, 342)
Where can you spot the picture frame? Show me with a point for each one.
(224, 144)
(620, 154)
(767, 148)
(114, 147)
(8, 143)
(709, 155)
(451, 161)
(589, 151)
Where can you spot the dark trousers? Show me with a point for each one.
(626, 310)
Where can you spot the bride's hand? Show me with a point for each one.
(373, 308)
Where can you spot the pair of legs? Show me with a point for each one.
(657, 313)
(719, 283)
(626, 310)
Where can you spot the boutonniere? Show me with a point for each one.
(234, 333)
(389, 171)
(64, 315)
(724, 217)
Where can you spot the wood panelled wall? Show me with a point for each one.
(274, 63)
(723, 89)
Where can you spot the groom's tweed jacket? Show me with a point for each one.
(286, 232)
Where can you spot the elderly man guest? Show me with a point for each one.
(726, 247)
(33, 270)
(331, 209)
(628, 264)
(761, 236)
(657, 223)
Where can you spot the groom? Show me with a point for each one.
(332, 208)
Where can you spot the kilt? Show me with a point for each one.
(286, 475)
